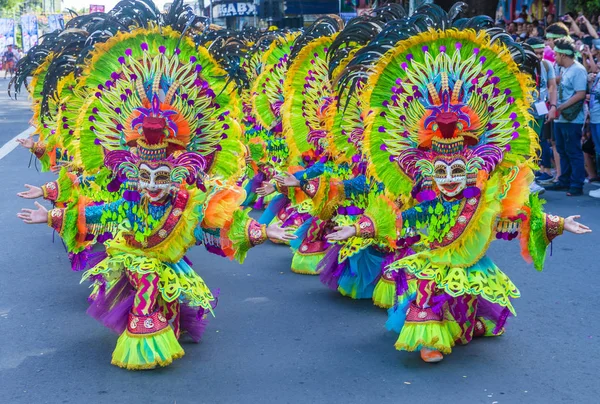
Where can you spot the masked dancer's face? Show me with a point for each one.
(450, 178)
(155, 183)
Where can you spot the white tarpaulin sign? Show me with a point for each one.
(234, 9)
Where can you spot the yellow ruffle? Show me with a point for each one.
(172, 284)
(384, 294)
(438, 335)
(488, 281)
(306, 264)
(140, 352)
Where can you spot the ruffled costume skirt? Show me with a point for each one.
(352, 268)
(310, 246)
(459, 287)
(183, 297)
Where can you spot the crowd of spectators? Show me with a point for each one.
(567, 106)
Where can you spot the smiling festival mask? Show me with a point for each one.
(157, 164)
(450, 163)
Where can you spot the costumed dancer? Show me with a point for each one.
(57, 102)
(240, 53)
(256, 136)
(450, 123)
(161, 116)
(267, 100)
(306, 118)
(354, 266)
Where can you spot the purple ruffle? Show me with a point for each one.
(86, 259)
(191, 319)
(112, 308)
(489, 311)
(114, 185)
(329, 267)
(259, 204)
(493, 312)
(295, 217)
(131, 196)
(350, 210)
(192, 322)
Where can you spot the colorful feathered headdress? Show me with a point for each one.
(444, 90)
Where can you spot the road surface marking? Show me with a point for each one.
(12, 144)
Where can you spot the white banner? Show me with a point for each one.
(234, 9)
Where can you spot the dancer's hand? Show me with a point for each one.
(56, 169)
(287, 180)
(266, 189)
(575, 227)
(26, 143)
(32, 192)
(31, 216)
(341, 233)
(275, 232)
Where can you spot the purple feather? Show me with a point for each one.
(114, 185)
(330, 269)
(112, 308)
(132, 196)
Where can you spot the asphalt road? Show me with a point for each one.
(285, 338)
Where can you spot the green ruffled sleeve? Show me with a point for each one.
(538, 231)
(67, 188)
(383, 214)
(241, 234)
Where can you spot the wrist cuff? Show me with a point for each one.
(38, 149)
(365, 227)
(55, 219)
(282, 189)
(50, 191)
(257, 233)
(555, 226)
(310, 187)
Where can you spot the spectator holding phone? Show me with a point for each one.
(589, 61)
(585, 27)
(568, 126)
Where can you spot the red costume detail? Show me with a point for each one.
(147, 324)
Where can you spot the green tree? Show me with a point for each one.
(588, 7)
(20, 6)
(8, 5)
